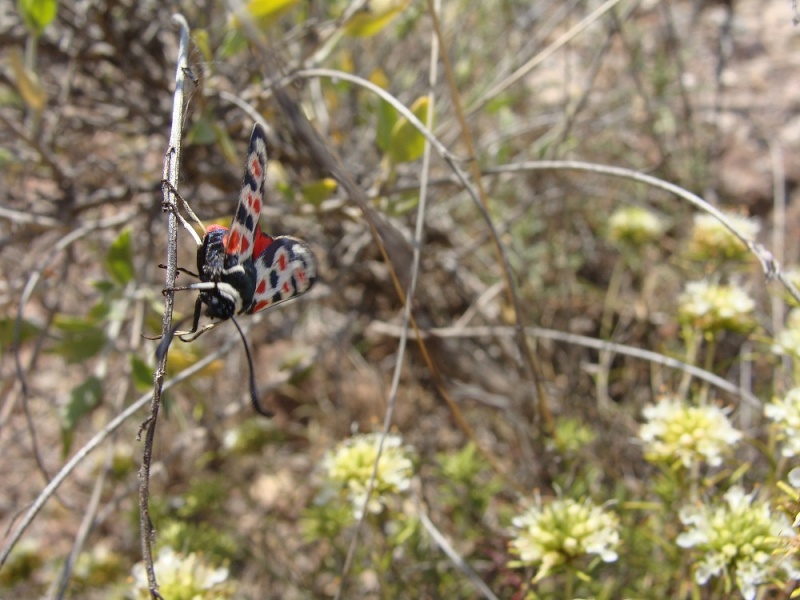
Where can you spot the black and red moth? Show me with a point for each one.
(242, 270)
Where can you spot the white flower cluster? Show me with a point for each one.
(549, 535)
(736, 541)
(678, 433)
(712, 307)
(785, 412)
(349, 466)
(788, 341)
(712, 240)
(635, 225)
(183, 576)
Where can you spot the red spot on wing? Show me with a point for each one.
(262, 287)
(300, 274)
(261, 305)
(233, 244)
(245, 244)
(257, 206)
(262, 241)
(255, 166)
(286, 287)
(282, 262)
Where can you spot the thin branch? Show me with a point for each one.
(541, 56)
(113, 331)
(401, 108)
(409, 296)
(63, 175)
(543, 417)
(440, 540)
(170, 175)
(358, 197)
(779, 247)
(61, 584)
(248, 110)
(770, 266)
(99, 438)
(26, 217)
(320, 152)
(49, 257)
(27, 292)
(579, 340)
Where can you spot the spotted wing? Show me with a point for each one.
(245, 232)
(284, 270)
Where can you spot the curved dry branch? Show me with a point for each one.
(770, 266)
(586, 342)
(463, 179)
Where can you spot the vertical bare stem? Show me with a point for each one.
(171, 162)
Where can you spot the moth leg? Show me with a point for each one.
(168, 186)
(193, 333)
(181, 270)
(188, 272)
(190, 336)
(180, 288)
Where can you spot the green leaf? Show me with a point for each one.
(227, 146)
(387, 117)
(81, 338)
(375, 16)
(104, 286)
(404, 204)
(202, 40)
(37, 14)
(233, 42)
(259, 13)
(102, 311)
(83, 399)
(407, 144)
(318, 191)
(142, 374)
(6, 157)
(27, 330)
(119, 260)
(202, 133)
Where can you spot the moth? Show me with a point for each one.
(241, 269)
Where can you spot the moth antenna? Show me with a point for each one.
(253, 393)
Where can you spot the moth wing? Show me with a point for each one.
(244, 231)
(284, 270)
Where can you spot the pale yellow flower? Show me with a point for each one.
(676, 433)
(635, 225)
(785, 412)
(712, 240)
(712, 307)
(561, 531)
(788, 341)
(736, 541)
(349, 467)
(184, 577)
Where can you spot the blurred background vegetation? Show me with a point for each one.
(699, 93)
